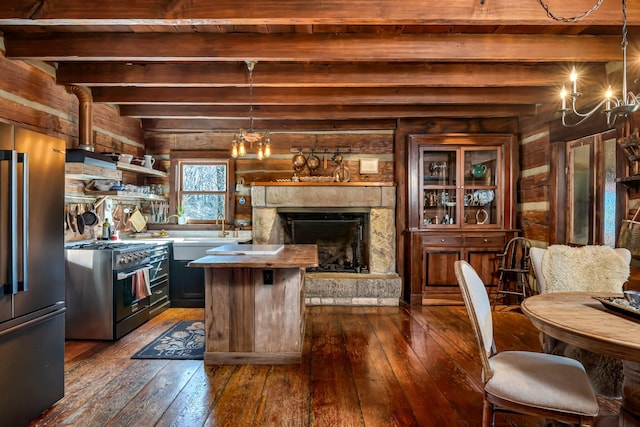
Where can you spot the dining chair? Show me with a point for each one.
(524, 382)
(605, 372)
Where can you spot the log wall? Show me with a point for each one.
(30, 98)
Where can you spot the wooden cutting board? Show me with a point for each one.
(137, 221)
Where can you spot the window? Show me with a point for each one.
(202, 186)
(591, 190)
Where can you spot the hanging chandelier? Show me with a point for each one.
(242, 138)
(614, 106)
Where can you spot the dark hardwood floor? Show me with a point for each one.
(362, 366)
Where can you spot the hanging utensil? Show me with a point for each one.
(67, 225)
(72, 220)
(79, 220)
(313, 162)
(298, 161)
(337, 157)
(324, 160)
(90, 217)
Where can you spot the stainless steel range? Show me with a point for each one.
(104, 298)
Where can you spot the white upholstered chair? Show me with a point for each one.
(537, 384)
(604, 372)
(536, 255)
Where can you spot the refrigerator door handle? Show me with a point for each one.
(11, 286)
(24, 159)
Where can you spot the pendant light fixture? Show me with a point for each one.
(240, 139)
(614, 106)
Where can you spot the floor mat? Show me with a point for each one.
(184, 340)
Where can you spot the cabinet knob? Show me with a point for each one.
(442, 240)
(485, 240)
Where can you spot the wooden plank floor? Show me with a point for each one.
(362, 366)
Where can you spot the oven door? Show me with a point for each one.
(127, 302)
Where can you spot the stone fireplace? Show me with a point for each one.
(364, 217)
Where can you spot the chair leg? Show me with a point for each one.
(499, 290)
(488, 415)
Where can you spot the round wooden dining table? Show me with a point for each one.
(578, 318)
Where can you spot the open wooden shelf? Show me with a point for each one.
(128, 167)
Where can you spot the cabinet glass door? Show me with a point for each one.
(440, 170)
(480, 197)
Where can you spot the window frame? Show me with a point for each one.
(179, 158)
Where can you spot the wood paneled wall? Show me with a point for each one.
(353, 145)
(534, 197)
(30, 98)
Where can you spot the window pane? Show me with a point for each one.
(203, 206)
(204, 178)
(581, 205)
(609, 215)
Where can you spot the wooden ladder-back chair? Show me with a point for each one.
(537, 384)
(513, 269)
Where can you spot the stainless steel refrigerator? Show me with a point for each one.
(32, 306)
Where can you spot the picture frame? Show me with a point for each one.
(368, 166)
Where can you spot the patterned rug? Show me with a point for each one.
(184, 340)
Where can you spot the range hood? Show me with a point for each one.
(86, 165)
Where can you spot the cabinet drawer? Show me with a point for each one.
(442, 240)
(160, 292)
(493, 241)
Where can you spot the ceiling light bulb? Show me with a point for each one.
(241, 149)
(574, 79)
(574, 75)
(608, 94)
(563, 95)
(260, 153)
(267, 149)
(234, 150)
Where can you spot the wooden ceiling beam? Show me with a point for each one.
(200, 125)
(303, 12)
(342, 112)
(324, 96)
(312, 75)
(160, 47)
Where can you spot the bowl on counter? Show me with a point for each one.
(102, 185)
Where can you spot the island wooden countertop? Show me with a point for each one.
(292, 256)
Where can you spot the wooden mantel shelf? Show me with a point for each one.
(324, 184)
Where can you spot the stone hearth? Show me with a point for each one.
(381, 285)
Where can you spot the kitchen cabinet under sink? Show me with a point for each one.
(187, 284)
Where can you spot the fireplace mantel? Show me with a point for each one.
(324, 184)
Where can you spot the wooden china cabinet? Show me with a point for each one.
(461, 205)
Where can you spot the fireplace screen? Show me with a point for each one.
(341, 238)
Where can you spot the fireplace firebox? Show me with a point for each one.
(341, 236)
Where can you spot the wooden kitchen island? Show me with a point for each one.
(254, 304)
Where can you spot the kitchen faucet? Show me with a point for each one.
(222, 232)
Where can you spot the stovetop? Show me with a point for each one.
(119, 255)
(107, 245)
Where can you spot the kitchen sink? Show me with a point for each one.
(190, 248)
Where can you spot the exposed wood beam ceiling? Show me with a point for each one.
(179, 65)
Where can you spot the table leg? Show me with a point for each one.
(630, 410)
